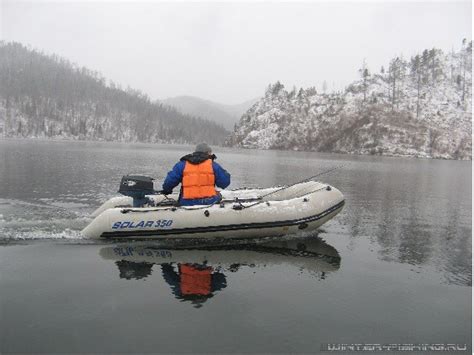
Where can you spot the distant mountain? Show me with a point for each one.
(419, 107)
(227, 115)
(47, 96)
(238, 110)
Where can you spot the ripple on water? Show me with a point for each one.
(41, 219)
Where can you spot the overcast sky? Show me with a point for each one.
(229, 52)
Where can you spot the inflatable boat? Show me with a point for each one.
(244, 213)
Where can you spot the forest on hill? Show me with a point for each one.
(46, 96)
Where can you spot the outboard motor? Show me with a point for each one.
(137, 187)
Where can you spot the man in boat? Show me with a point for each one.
(198, 174)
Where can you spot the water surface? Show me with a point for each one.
(393, 267)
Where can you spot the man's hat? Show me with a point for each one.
(203, 147)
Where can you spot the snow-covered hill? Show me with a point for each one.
(45, 96)
(421, 107)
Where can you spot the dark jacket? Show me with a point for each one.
(175, 176)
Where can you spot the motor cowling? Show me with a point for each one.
(137, 187)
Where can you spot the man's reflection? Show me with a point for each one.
(193, 282)
(195, 275)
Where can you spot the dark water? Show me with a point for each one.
(393, 268)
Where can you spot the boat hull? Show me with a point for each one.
(317, 204)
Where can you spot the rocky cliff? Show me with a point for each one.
(419, 107)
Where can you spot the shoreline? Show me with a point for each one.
(187, 144)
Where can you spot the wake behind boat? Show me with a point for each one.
(245, 213)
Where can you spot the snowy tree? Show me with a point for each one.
(365, 75)
(416, 73)
(396, 75)
(466, 66)
(325, 86)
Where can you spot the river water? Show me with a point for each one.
(394, 267)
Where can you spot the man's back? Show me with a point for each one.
(198, 174)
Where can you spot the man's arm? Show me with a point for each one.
(173, 178)
(222, 176)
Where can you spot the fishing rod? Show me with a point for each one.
(260, 198)
(304, 180)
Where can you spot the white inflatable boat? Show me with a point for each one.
(247, 213)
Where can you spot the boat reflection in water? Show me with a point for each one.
(196, 274)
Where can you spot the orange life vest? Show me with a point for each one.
(198, 180)
(195, 281)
